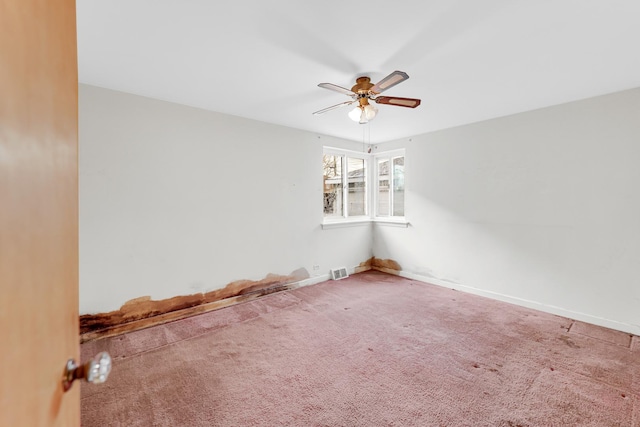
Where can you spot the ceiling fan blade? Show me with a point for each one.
(389, 81)
(333, 107)
(336, 88)
(401, 102)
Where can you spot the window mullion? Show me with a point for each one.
(367, 186)
(391, 186)
(345, 187)
(373, 188)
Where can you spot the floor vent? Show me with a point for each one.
(339, 273)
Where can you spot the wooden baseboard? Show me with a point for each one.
(142, 313)
(170, 316)
(384, 265)
(387, 270)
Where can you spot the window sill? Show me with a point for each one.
(392, 222)
(345, 223)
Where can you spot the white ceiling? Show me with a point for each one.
(468, 60)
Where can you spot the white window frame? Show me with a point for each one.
(389, 156)
(347, 219)
(371, 193)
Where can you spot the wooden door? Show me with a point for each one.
(38, 212)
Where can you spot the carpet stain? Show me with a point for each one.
(144, 307)
(568, 341)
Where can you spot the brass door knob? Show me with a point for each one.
(95, 371)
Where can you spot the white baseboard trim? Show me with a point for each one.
(313, 280)
(559, 311)
(324, 277)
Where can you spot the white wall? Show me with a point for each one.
(540, 208)
(176, 200)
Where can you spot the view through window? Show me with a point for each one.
(347, 184)
(332, 168)
(340, 172)
(390, 186)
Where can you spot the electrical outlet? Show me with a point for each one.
(316, 267)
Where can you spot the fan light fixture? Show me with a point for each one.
(362, 115)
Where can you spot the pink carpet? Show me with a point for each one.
(370, 350)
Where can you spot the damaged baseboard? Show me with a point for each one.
(122, 327)
(169, 316)
(104, 325)
(388, 266)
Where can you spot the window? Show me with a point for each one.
(389, 184)
(352, 195)
(356, 178)
(332, 176)
(344, 184)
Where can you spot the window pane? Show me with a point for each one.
(398, 186)
(383, 188)
(356, 198)
(332, 171)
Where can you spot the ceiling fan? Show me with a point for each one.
(364, 91)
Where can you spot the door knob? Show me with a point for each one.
(95, 371)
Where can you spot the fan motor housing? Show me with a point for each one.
(362, 86)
